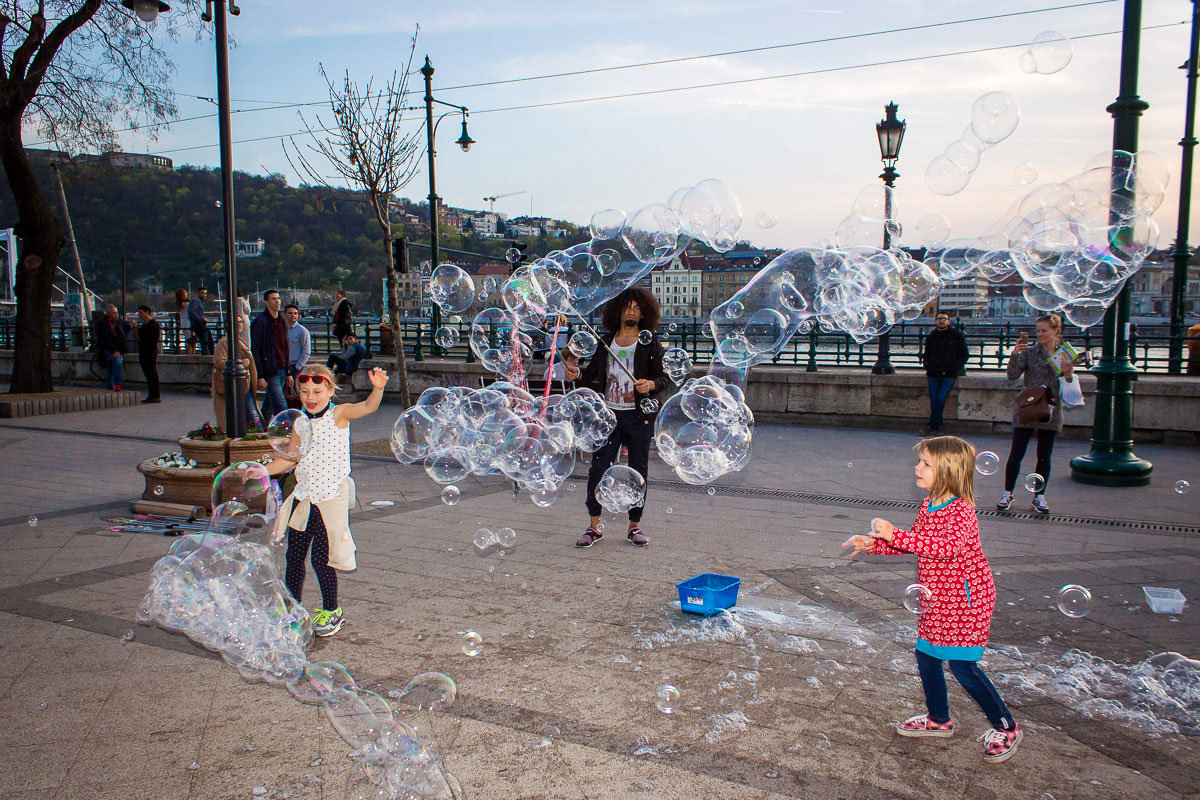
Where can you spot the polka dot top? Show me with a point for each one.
(326, 465)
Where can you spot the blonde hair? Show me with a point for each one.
(1055, 323)
(953, 462)
(326, 373)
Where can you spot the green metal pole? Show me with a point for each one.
(1181, 252)
(435, 312)
(1111, 461)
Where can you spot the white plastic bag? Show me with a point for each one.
(1070, 393)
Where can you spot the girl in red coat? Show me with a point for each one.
(957, 612)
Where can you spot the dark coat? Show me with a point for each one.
(946, 353)
(149, 335)
(262, 344)
(647, 365)
(110, 337)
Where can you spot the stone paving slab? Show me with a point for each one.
(576, 642)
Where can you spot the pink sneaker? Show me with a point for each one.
(922, 725)
(1000, 744)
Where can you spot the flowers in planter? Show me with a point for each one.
(175, 461)
(207, 433)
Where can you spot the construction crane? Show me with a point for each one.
(491, 201)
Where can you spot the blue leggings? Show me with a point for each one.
(976, 684)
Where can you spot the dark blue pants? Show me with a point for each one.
(633, 431)
(974, 682)
(939, 390)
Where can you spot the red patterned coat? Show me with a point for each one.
(954, 621)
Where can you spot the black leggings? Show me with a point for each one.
(1020, 441)
(633, 431)
(298, 543)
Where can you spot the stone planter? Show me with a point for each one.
(248, 449)
(205, 453)
(173, 485)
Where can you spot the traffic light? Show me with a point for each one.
(399, 263)
(515, 255)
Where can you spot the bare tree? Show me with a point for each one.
(369, 148)
(70, 70)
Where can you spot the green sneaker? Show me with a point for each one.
(327, 623)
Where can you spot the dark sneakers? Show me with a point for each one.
(636, 537)
(589, 538)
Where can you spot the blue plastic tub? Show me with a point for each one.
(708, 594)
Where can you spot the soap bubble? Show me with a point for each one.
(543, 496)
(1050, 52)
(645, 338)
(964, 155)
(472, 643)
(704, 430)
(734, 309)
(1035, 483)
(290, 433)
(621, 488)
(753, 325)
(1074, 600)
(994, 116)
(513, 255)
(246, 482)
(677, 364)
(507, 537)
(987, 462)
(666, 698)
(583, 343)
(654, 234)
(1182, 487)
(450, 495)
(1025, 173)
(607, 224)
(159, 490)
(33, 521)
(446, 337)
(434, 691)
(916, 596)
(932, 231)
(649, 405)
(944, 177)
(711, 491)
(765, 220)
(484, 539)
(451, 288)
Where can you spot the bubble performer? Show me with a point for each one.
(317, 513)
(955, 619)
(630, 372)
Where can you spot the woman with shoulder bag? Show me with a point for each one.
(1038, 408)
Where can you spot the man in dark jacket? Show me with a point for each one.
(945, 356)
(269, 346)
(149, 337)
(343, 316)
(627, 371)
(110, 344)
(199, 322)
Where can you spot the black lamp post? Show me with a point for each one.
(891, 134)
(235, 372)
(1111, 461)
(1181, 252)
(465, 141)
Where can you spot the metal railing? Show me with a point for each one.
(989, 342)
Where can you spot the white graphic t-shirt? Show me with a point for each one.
(618, 393)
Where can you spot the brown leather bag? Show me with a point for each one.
(1034, 405)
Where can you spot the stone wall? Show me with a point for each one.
(1166, 408)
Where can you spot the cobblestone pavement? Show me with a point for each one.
(794, 695)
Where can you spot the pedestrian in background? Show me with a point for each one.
(343, 316)
(269, 346)
(149, 343)
(299, 350)
(945, 356)
(110, 345)
(181, 322)
(199, 322)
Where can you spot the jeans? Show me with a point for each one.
(633, 431)
(273, 401)
(342, 366)
(149, 362)
(939, 390)
(974, 682)
(1020, 441)
(252, 417)
(115, 374)
(205, 338)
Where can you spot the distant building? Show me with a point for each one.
(121, 160)
(965, 297)
(678, 288)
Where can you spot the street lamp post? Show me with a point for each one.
(235, 372)
(1111, 461)
(465, 141)
(891, 133)
(1181, 252)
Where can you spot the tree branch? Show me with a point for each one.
(49, 48)
(20, 59)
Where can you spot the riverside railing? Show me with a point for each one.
(988, 342)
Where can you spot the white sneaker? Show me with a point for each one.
(1004, 502)
(1039, 504)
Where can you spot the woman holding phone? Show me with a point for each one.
(1033, 363)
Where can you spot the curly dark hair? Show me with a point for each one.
(647, 303)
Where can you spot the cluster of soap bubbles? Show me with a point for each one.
(1048, 53)
(486, 540)
(621, 488)
(994, 116)
(502, 429)
(705, 430)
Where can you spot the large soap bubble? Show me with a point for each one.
(704, 430)
(994, 116)
(621, 488)
(290, 433)
(677, 364)
(246, 482)
(451, 288)
(945, 177)
(1050, 52)
(932, 231)
(607, 224)
(758, 320)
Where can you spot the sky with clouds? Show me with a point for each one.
(800, 147)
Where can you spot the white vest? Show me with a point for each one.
(325, 466)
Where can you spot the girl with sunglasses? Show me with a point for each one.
(317, 513)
